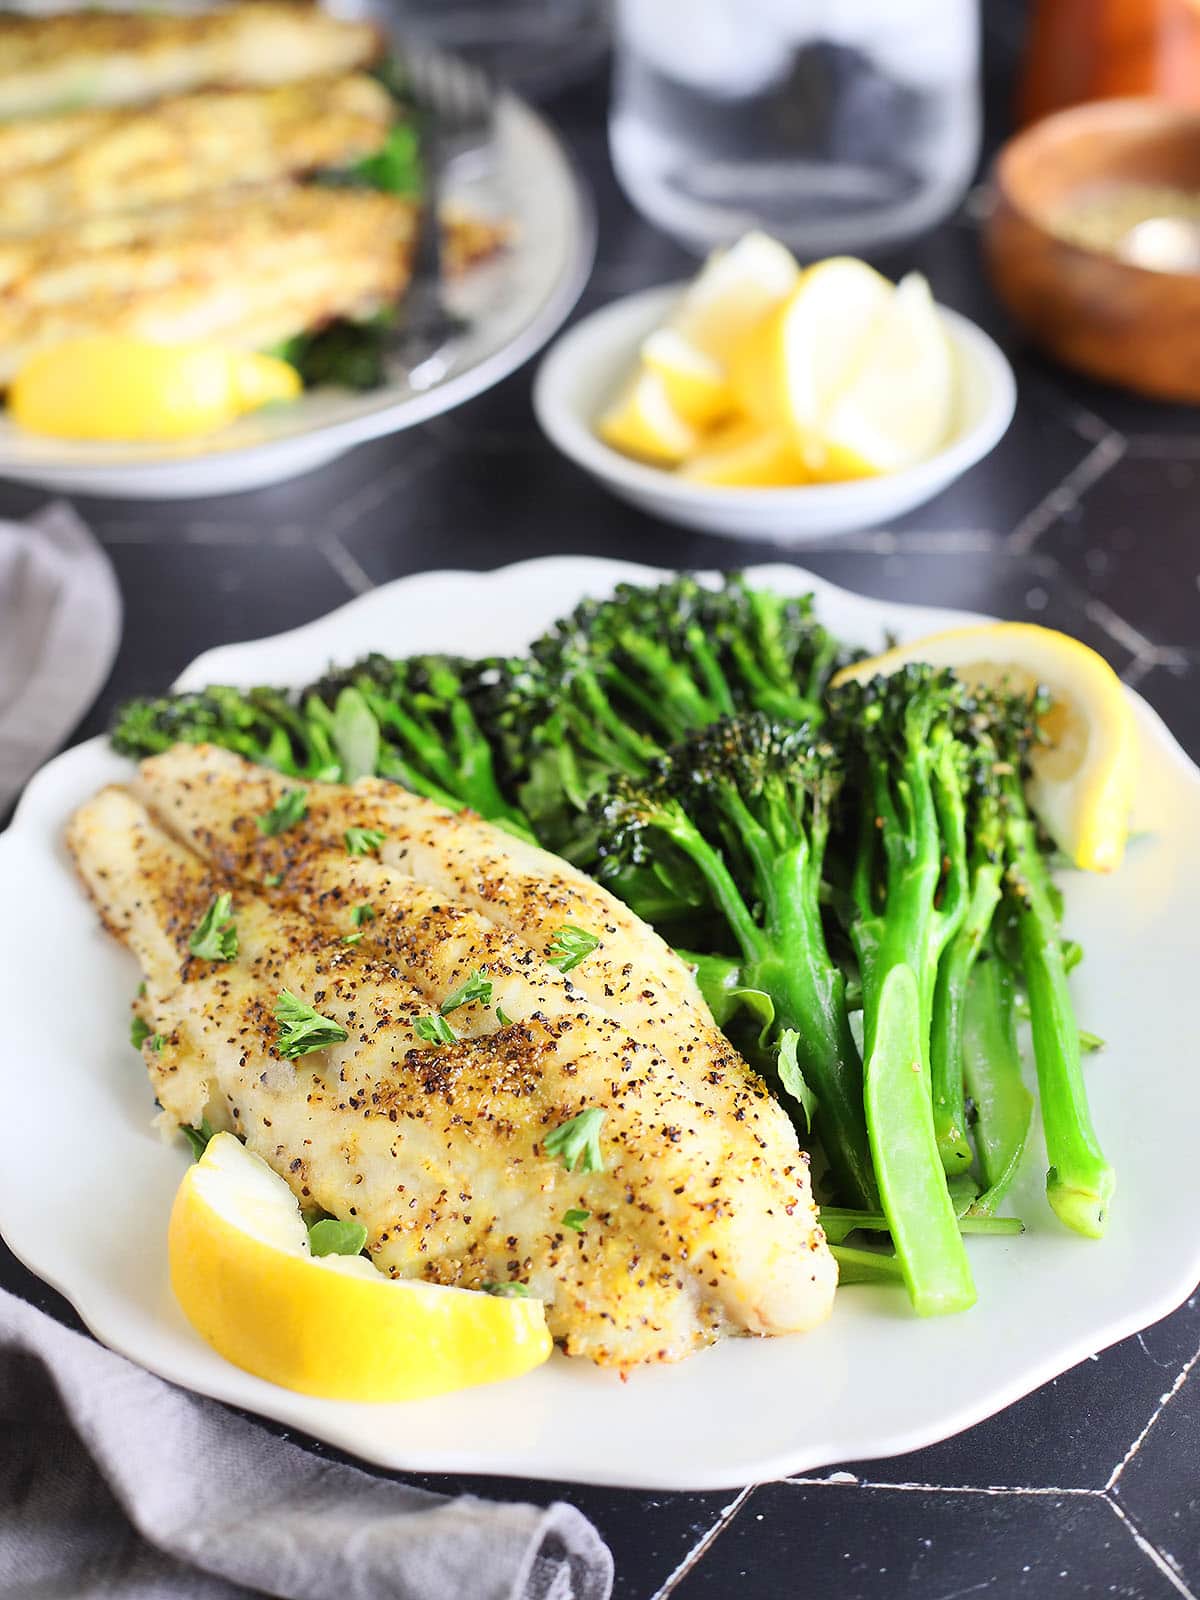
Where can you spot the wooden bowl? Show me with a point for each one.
(1125, 324)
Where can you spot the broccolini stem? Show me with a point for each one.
(912, 1184)
(839, 1223)
(636, 747)
(1080, 1182)
(676, 704)
(992, 1071)
(865, 1266)
(720, 881)
(945, 1039)
(702, 653)
(809, 991)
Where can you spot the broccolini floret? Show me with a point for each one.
(747, 801)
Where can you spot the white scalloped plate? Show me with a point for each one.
(85, 1185)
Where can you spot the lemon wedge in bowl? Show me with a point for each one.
(733, 292)
(696, 384)
(895, 405)
(1082, 777)
(333, 1326)
(642, 422)
(111, 387)
(741, 455)
(788, 369)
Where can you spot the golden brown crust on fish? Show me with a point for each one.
(76, 59)
(61, 169)
(246, 269)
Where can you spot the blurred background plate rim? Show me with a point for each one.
(548, 193)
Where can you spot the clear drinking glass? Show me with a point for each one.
(837, 125)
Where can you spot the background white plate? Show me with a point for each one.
(512, 305)
(85, 1185)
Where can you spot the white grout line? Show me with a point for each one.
(376, 490)
(910, 541)
(1133, 675)
(1155, 447)
(1160, 1560)
(704, 1543)
(1125, 634)
(1100, 458)
(1180, 1379)
(345, 565)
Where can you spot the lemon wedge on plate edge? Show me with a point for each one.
(112, 387)
(332, 1326)
(1082, 778)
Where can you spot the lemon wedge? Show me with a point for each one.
(107, 386)
(644, 423)
(895, 405)
(732, 293)
(332, 1326)
(788, 370)
(742, 455)
(1081, 782)
(696, 385)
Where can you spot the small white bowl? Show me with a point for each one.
(584, 369)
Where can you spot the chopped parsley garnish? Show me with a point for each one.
(577, 1141)
(477, 987)
(332, 1237)
(436, 1029)
(574, 1218)
(569, 946)
(273, 880)
(358, 915)
(288, 810)
(363, 841)
(301, 1029)
(505, 1022)
(510, 1291)
(215, 938)
(140, 1030)
(197, 1137)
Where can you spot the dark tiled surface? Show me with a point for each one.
(795, 1540)
(1083, 519)
(1130, 538)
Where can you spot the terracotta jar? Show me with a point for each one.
(1097, 49)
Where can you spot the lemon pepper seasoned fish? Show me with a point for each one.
(246, 269)
(205, 792)
(60, 169)
(75, 59)
(701, 1220)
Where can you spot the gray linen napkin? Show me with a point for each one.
(60, 624)
(117, 1486)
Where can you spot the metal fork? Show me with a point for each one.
(455, 107)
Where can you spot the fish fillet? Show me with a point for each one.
(248, 269)
(72, 60)
(701, 1222)
(57, 170)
